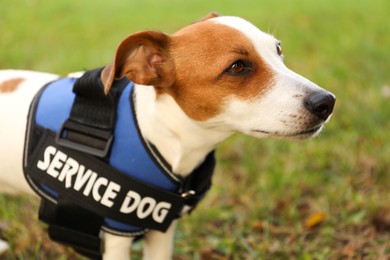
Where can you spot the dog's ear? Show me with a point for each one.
(209, 16)
(144, 59)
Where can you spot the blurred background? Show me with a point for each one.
(327, 198)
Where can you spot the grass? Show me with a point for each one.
(327, 198)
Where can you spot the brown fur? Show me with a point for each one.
(10, 85)
(192, 69)
(143, 58)
(201, 86)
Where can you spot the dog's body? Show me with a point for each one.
(193, 89)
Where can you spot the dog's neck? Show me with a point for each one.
(183, 142)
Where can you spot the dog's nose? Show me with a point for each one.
(320, 104)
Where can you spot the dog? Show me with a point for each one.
(193, 89)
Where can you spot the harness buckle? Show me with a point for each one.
(188, 194)
(86, 139)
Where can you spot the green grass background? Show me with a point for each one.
(264, 190)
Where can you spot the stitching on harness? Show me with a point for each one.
(173, 176)
(38, 190)
(125, 234)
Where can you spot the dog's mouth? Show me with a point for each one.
(311, 131)
(298, 135)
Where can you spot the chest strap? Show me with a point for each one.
(91, 123)
(73, 163)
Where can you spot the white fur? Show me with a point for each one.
(183, 142)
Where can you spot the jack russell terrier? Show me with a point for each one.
(191, 90)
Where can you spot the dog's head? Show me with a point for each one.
(225, 73)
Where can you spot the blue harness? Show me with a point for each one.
(87, 159)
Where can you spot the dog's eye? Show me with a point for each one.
(238, 68)
(279, 48)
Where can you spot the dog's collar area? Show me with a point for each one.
(81, 163)
(194, 187)
(196, 184)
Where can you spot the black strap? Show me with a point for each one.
(95, 186)
(88, 129)
(73, 226)
(76, 219)
(196, 185)
(91, 123)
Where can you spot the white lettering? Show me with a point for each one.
(126, 206)
(70, 169)
(145, 207)
(90, 184)
(148, 203)
(81, 178)
(161, 211)
(110, 194)
(75, 175)
(95, 191)
(56, 164)
(70, 165)
(49, 152)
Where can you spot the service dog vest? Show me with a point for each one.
(86, 158)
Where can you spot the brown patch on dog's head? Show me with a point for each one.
(10, 85)
(195, 66)
(204, 55)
